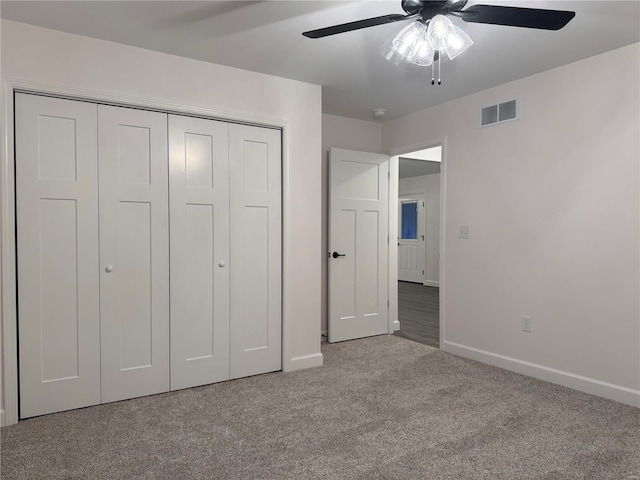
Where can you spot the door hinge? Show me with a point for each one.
(423, 204)
(387, 302)
(423, 272)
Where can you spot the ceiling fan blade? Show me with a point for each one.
(517, 16)
(348, 27)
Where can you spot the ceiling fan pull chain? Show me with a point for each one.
(439, 69)
(433, 73)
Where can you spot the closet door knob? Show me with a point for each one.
(109, 269)
(221, 264)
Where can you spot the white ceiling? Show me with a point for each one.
(416, 168)
(420, 162)
(265, 36)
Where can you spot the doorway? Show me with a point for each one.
(418, 243)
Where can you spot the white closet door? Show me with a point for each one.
(199, 199)
(256, 256)
(57, 228)
(134, 252)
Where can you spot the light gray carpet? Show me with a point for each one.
(383, 407)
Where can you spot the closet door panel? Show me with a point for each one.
(199, 199)
(134, 252)
(256, 253)
(57, 238)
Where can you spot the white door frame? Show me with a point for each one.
(8, 333)
(394, 172)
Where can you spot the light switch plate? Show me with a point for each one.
(463, 232)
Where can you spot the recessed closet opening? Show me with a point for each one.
(149, 251)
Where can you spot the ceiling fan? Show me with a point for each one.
(431, 34)
(491, 14)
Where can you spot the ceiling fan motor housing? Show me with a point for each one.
(430, 8)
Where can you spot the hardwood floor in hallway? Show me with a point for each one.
(418, 313)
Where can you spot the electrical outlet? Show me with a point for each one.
(526, 323)
(463, 232)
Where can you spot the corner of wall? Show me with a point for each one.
(305, 361)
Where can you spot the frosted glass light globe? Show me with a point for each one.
(458, 43)
(439, 32)
(406, 40)
(422, 54)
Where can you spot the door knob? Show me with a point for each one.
(109, 269)
(221, 264)
(336, 255)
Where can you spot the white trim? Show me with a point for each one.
(618, 393)
(394, 169)
(1, 417)
(7, 213)
(431, 283)
(8, 254)
(287, 263)
(392, 250)
(306, 361)
(444, 162)
(141, 102)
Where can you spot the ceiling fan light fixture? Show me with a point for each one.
(408, 39)
(422, 42)
(458, 43)
(423, 54)
(440, 32)
(407, 46)
(426, 39)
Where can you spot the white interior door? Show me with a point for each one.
(199, 198)
(411, 238)
(256, 253)
(134, 252)
(359, 236)
(58, 279)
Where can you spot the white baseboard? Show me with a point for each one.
(431, 283)
(611, 391)
(395, 326)
(305, 361)
(2, 417)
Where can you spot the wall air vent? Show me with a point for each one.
(502, 112)
(489, 115)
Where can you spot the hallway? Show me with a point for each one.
(418, 313)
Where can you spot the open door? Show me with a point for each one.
(359, 244)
